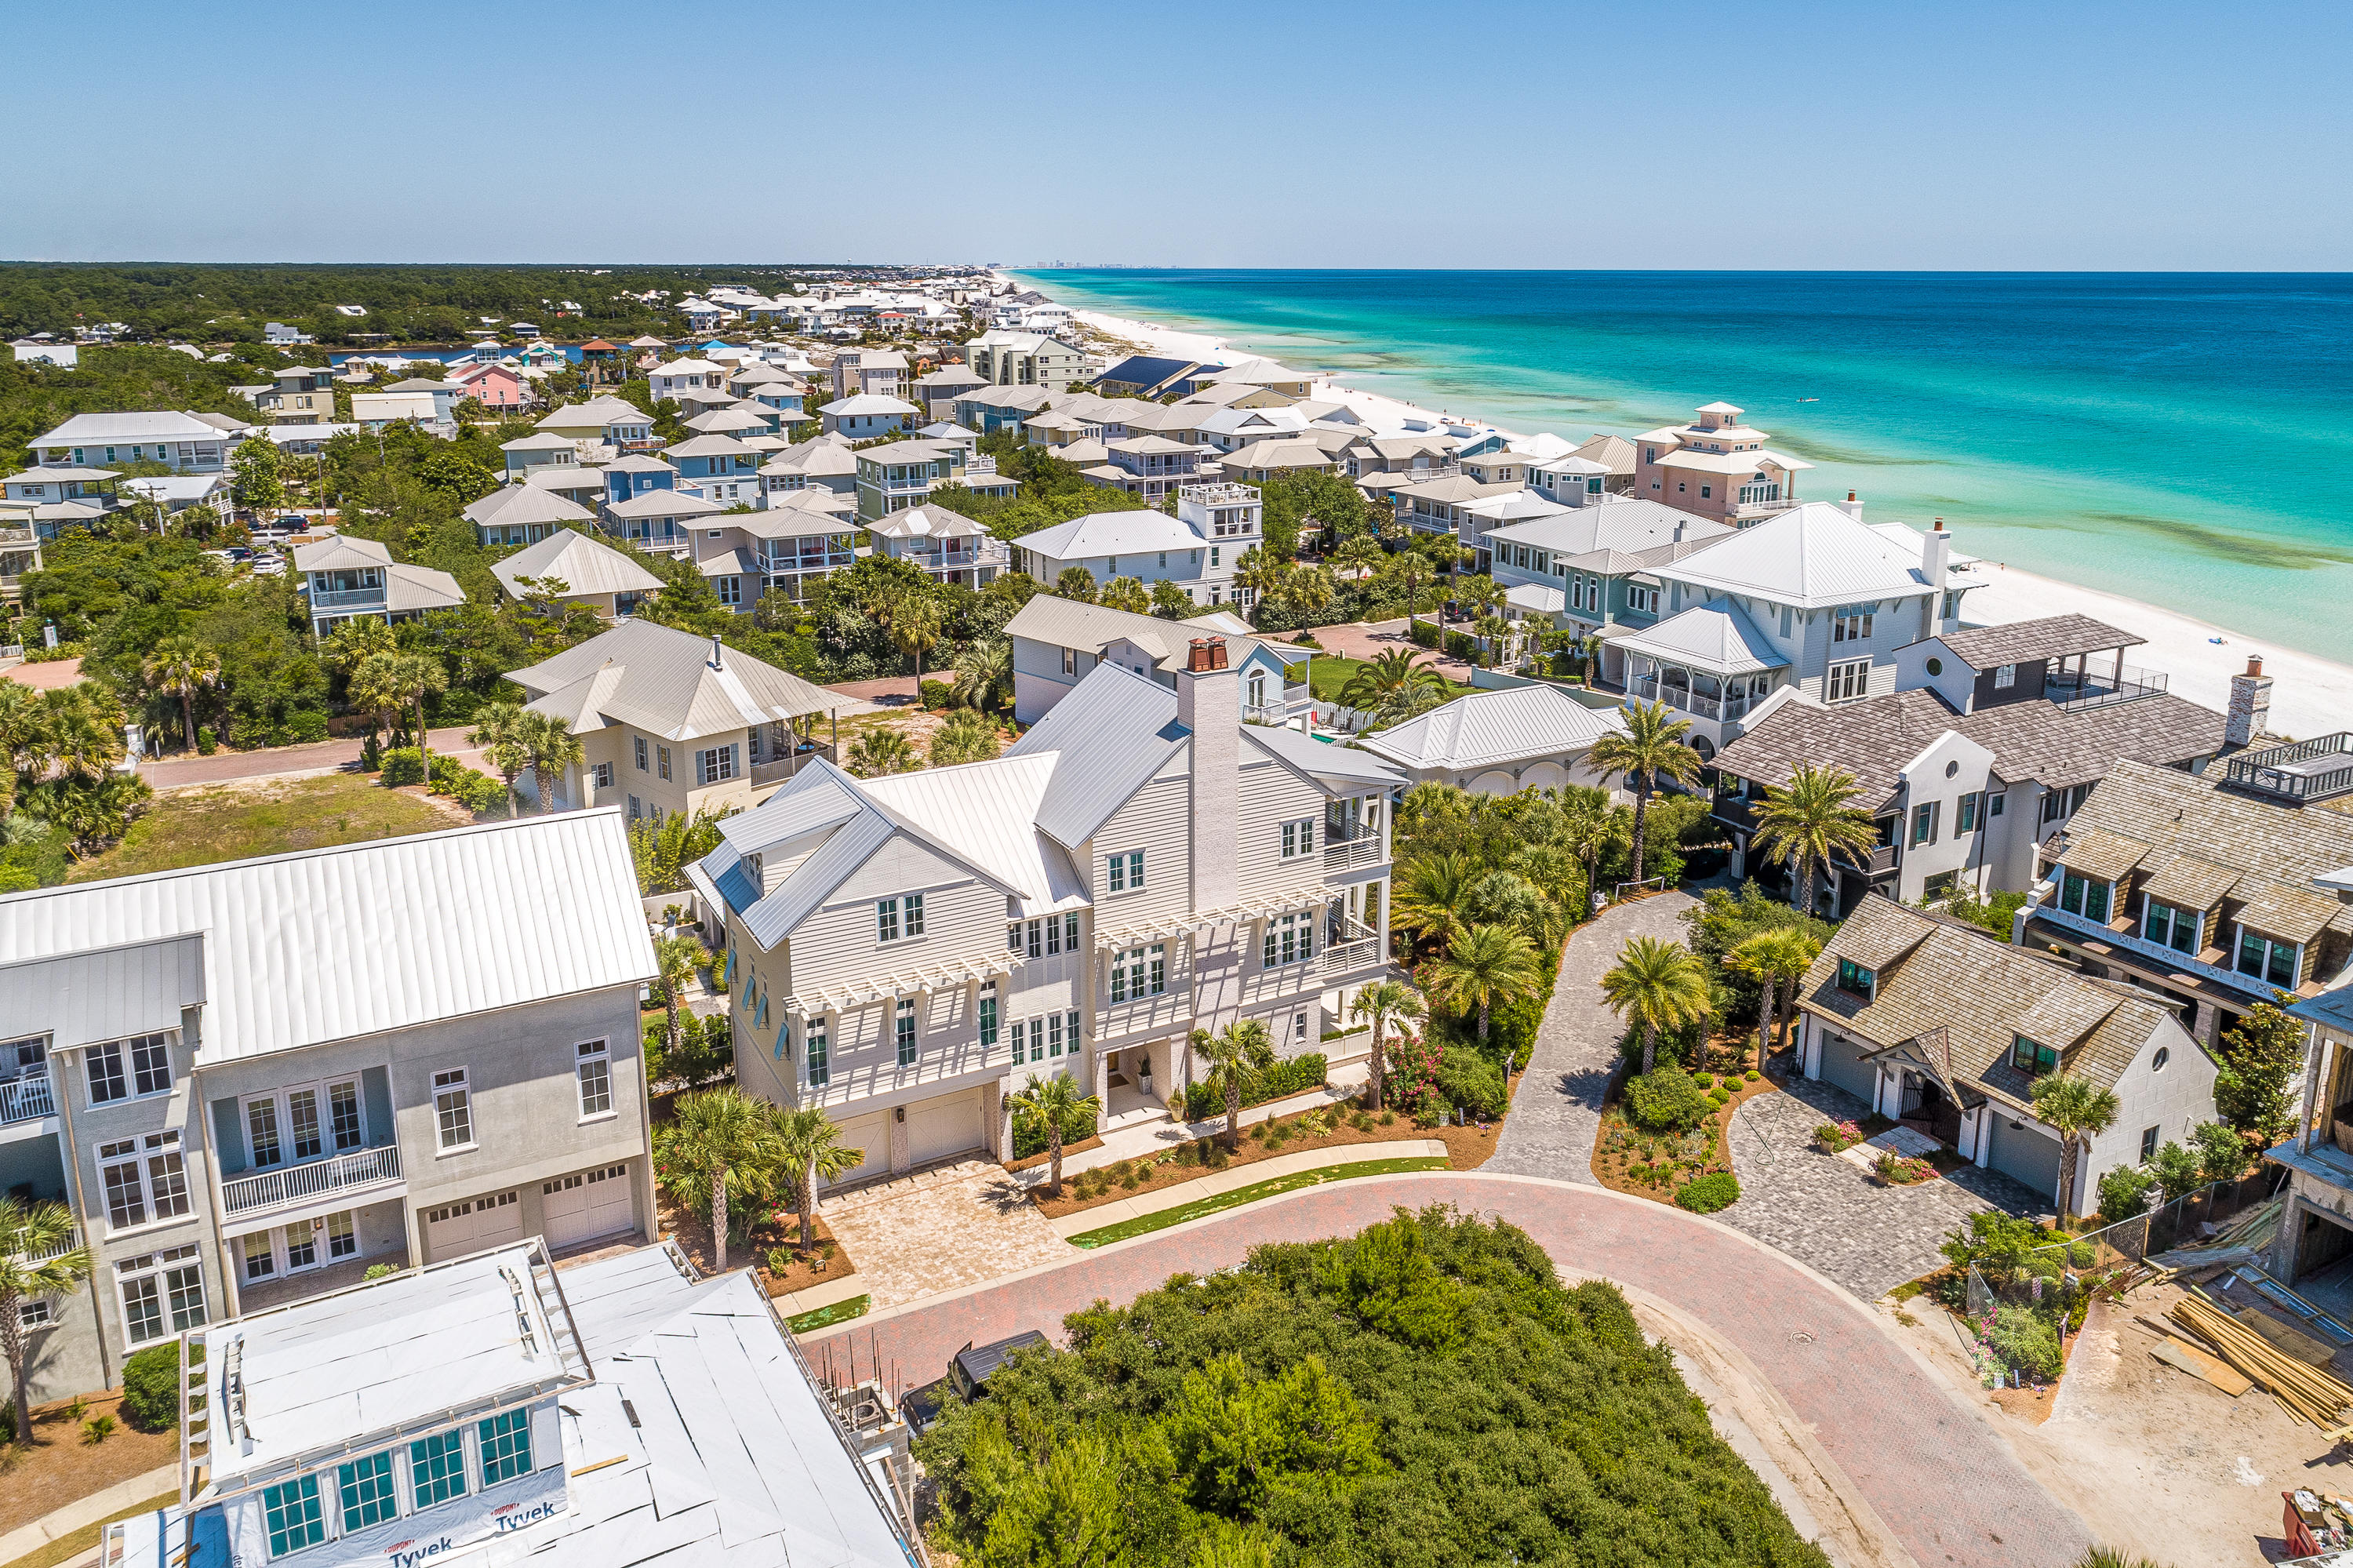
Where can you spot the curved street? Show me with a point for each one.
(1942, 1479)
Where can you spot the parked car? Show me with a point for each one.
(968, 1369)
(270, 565)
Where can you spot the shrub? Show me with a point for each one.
(1898, 1171)
(2124, 1192)
(475, 790)
(1833, 1136)
(1463, 646)
(207, 742)
(381, 1271)
(403, 764)
(1470, 1080)
(97, 1429)
(1207, 1099)
(937, 695)
(779, 1261)
(1425, 633)
(1029, 1132)
(2024, 1342)
(151, 1388)
(1664, 1100)
(1751, 1075)
(1709, 1193)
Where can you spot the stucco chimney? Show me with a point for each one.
(1850, 506)
(718, 653)
(2251, 706)
(1208, 704)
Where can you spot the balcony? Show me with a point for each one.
(1359, 949)
(2095, 689)
(767, 773)
(346, 598)
(27, 1098)
(1723, 710)
(2308, 770)
(353, 1174)
(1355, 854)
(71, 1239)
(1745, 511)
(1882, 860)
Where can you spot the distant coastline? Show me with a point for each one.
(2219, 595)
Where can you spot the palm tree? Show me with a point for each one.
(718, 1136)
(811, 1146)
(1649, 749)
(1497, 630)
(1806, 819)
(1412, 571)
(1586, 832)
(182, 665)
(984, 674)
(1656, 985)
(22, 729)
(1260, 571)
(417, 676)
(551, 747)
(914, 621)
(351, 644)
(1378, 1004)
(1359, 556)
(29, 1232)
(1076, 583)
(2077, 1110)
(497, 730)
(82, 728)
(1429, 898)
(1777, 959)
(676, 959)
(374, 690)
(1227, 1052)
(1483, 965)
(882, 751)
(1394, 685)
(1050, 1098)
(1128, 594)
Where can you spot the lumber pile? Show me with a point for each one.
(2305, 1392)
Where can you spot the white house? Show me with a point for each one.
(1196, 549)
(1532, 736)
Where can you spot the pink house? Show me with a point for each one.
(494, 385)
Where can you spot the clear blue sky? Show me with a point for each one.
(1810, 135)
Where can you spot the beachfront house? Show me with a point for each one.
(1024, 359)
(345, 579)
(232, 1132)
(1196, 550)
(1590, 568)
(907, 951)
(1944, 1029)
(1717, 467)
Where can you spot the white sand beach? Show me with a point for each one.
(2310, 694)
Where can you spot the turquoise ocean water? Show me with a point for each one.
(2183, 440)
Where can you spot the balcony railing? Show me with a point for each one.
(2308, 770)
(1882, 858)
(1650, 688)
(783, 768)
(348, 599)
(1355, 854)
(314, 1179)
(59, 1248)
(2092, 689)
(28, 1098)
(1362, 949)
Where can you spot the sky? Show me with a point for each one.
(1884, 135)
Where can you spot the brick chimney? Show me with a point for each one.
(2251, 708)
(1209, 705)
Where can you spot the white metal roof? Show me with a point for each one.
(1811, 557)
(1718, 637)
(662, 680)
(324, 945)
(162, 424)
(1485, 728)
(1136, 533)
(586, 566)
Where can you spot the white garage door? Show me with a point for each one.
(873, 1134)
(477, 1224)
(585, 1205)
(940, 1127)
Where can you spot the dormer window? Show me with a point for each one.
(2275, 963)
(2085, 896)
(2032, 1058)
(1856, 980)
(2170, 927)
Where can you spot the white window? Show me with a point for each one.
(715, 765)
(453, 1108)
(1069, 661)
(1127, 872)
(303, 1122)
(887, 924)
(1299, 838)
(1847, 681)
(163, 1293)
(1139, 973)
(594, 1066)
(1851, 626)
(2004, 676)
(1290, 939)
(143, 1180)
(730, 590)
(127, 1069)
(603, 775)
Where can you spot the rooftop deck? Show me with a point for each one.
(2316, 769)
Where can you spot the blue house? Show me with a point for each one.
(722, 468)
(636, 475)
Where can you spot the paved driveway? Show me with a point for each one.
(1941, 1478)
(1360, 640)
(180, 769)
(1557, 1111)
(1828, 1213)
(941, 1230)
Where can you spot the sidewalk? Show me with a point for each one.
(30, 1537)
(1240, 1176)
(1165, 1133)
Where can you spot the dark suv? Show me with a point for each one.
(968, 1368)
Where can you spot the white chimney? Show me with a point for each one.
(1850, 506)
(718, 653)
(1209, 705)
(2251, 706)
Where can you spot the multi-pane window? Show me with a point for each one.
(661, 756)
(506, 1446)
(903, 1029)
(343, 1115)
(886, 920)
(2032, 1057)
(144, 1179)
(260, 1255)
(1855, 980)
(640, 743)
(2180, 929)
(1299, 838)
(366, 1491)
(2265, 959)
(593, 1065)
(1847, 681)
(603, 774)
(1127, 872)
(2085, 896)
(819, 1065)
(1925, 818)
(715, 765)
(1290, 939)
(2005, 676)
(988, 1017)
(1139, 973)
(1852, 627)
(301, 1246)
(915, 914)
(453, 1108)
(1037, 1027)
(121, 1069)
(291, 1508)
(343, 1236)
(163, 1293)
(438, 1466)
(301, 1123)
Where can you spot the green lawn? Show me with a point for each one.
(1328, 672)
(824, 1317)
(204, 824)
(1145, 1225)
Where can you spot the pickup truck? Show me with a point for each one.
(968, 1369)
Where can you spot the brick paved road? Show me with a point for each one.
(1556, 1110)
(1942, 1479)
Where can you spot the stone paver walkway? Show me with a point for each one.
(940, 1230)
(1827, 1214)
(1557, 1111)
(1940, 1476)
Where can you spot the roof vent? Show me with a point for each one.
(718, 653)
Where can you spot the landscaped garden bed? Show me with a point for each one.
(1684, 1140)
(780, 1234)
(62, 1465)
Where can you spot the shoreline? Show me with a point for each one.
(2311, 694)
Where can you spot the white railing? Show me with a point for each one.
(1343, 956)
(1352, 855)
(26, 1099)
(64, 1244)
(293, 1185)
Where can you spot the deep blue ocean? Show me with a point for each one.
(2185, 440)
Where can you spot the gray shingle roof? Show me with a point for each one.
(2022, 641)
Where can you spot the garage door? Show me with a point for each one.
(1843, 1064)
(585, 1205)
(477, 1224)
(2029, 1157)
(873, 1134)
(950, 1124)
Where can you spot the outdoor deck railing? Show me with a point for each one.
(2277, 771)
(1343, 957)
(2097, 688)
(314, 1179)
(28, 1098)
(1353, 854)
(783, 768)
(347, 598)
